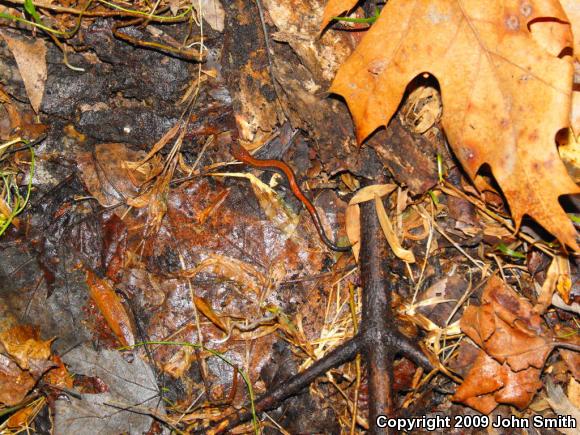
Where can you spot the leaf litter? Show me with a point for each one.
(217, 274)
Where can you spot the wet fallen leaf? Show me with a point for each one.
(31, 60)
(23, 417)
(107, 175)
(23, 344)
(59, 376)
(271, 203)
(15, 383)
(505, 93)
(242, 273)
(111, 308)
(24, 358)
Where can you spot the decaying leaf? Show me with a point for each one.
(107, 175)
(111, 308)
(490, 383)
(241, 272)
(505, 94)
(515, 346)
(15, 383)
(31, 60)
(24, 358)
(59, 376)
(205, 308)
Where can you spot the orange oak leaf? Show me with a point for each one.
(572, 9)
(505, 93)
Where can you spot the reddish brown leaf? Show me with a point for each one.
(489, 383)
(15, 383)
(506, 327)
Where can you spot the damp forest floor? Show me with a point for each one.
(150, 283)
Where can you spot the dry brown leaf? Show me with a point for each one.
(507, 328)
(111, 308)
(489, 383)
(557, 278)
(31, 60)
(504, 96)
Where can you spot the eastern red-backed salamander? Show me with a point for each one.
(241, 154)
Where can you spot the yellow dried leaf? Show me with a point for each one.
(389, 232)
(202, 306)
(368, 193)
(353, 228)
